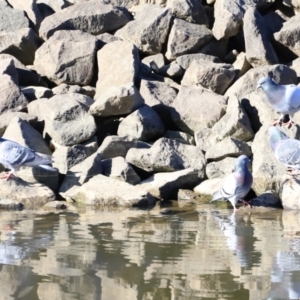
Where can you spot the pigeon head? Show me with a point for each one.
(265, 83)
(242, 163)
(275, 136)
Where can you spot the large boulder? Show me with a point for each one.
(12, 19)
(221, 168)
(149, 29)
(93, 16)
(195, 108)
(118, 64)
(67, 57)
(66, 118)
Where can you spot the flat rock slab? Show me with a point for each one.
(208, 187)
(102, 190)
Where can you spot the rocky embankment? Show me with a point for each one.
(137, 101)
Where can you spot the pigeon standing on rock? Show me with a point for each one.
(237, 184)
(284, 98)
(286, 150)
(14, 155)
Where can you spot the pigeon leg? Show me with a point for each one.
(8, 175)
(289, 123)
(279, 121)
(245, 203)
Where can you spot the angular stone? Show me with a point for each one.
(186, 38)
(191, 11)
(119, 100)
(172, 70)
(165, 186)
(185, 60)
(158, 59)
(36, 92)
(216, 48)
(118, 64)
(143, 124)
(119, 169)
(203, 138)
(229, 147)
(21, 43)
(102, 190)
(288, 35)
(220, 169)
(208, 187)
(7, 67)
(241, 64)
(196, 108)
(33, 195)
(267, 199)
(66, 88)
(247, 83)
(66, 118)
(67, 57)
(12, 99)
(181, 137)
(106, 38)
(167, 155)
(80, 173)
(214, 76)
(12, 19)
(149, 29)
(289, 192)
(94, 17)
(275, 20)
(114, 146)
(259, 49)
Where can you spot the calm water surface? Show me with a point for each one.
(196, 253)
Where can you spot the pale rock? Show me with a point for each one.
(167, 155)
(172, 70)
(258, 35)
(36, 92)
(102, 190)
(80, 173)
(289, 192)
(208, 187)
(93, 17)
(185, 60)
(241, 64)
(181, 137)
(149, 29)
(12, 19)
(119, 100)
(119, 169)
(158, 59)
(214, 76)
(203, 138)
(216, 48)
(114, 146)
(67, 57)
(186, 38)
(118, 64)
(21, 43)
(228, 147)
(66, 88)
(165, 186)
(195, 108)
(220, 169)
(106, 38)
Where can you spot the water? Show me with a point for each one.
(198, 252)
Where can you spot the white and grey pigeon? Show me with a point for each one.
(284, 98)
(237, 185)
(13, 156)
(286, 150)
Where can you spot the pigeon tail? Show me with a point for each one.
(48, 168)
(216, 196)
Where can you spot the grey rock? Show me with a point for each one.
(181, 137)
(241, 65)
(214, 76)
(114, 146)
(67, 57)
(102, 190)
(288, 34)
(220, 169)
(12, 99)
(191, 11)
(118, 64)
(216, 48)
(167, 155)
(12, 19)
(36, 92)
(106, 38)
(21, 43)
(7, 67)
(66, 118)
(289, 192)
(119, 100)
(158, 59)
(143, 124)
(259, 49)
(267, 199)
(93, 17)
(119, 169)
(186, 38)
(195, 108)
(66, 88)
(80, 173)
(185, 60)
(208, 187)
(165, 186)
(172, 70)
(144, 30)
(228, 147)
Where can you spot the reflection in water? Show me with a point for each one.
(139, 254)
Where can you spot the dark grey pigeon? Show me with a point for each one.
(237, 185)
(285, 99)
(13, 156)
(286, 150)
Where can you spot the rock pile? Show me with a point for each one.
(137, 101)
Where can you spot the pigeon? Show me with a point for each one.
(286, 150)
(284, 98)
(14, 155)
(237, 184)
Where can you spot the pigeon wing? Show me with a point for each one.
(288, 152)
(292, 97)
(229, 188)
